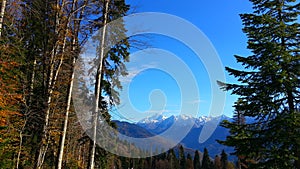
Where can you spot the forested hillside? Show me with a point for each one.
(41, 42)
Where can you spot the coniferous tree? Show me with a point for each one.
(206, 162)
(162, 156)
(224, 160)
(109, 65)
(172, 159)
(12, 89)
(40, 42)
(189, 162)
(268, 88)
(75, 29)
(182, 161)
(196, 161)
(236, 125)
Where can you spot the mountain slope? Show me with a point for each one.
(133, 130)
(158, 124)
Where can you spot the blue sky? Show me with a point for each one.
(153, 91)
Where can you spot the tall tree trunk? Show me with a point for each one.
(2, 13)
(98, 88)
(32, 80)
(74, 50)
(28, 105)
(52, 77)
(20, 146)
(289, 92)
(64, 132)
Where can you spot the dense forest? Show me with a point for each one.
(40, 44)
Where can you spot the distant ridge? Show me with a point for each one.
(155, 125)
(132, 130)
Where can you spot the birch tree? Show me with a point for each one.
(98, 86)
(56, 60)
(75, 46)
(2, 13)
(111, 65)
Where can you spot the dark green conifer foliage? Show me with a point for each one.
(197, 164)
(268, 88)
(182, 161)
(173, 161)
(224, 160)
(206, 162)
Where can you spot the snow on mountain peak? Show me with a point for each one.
(154, 119)
(182, 118)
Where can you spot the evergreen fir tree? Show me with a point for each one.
(189, 162)
(173, 162)
(206, 162)
(196, 161)
(268, 88)
(224, 160)
(182, 161)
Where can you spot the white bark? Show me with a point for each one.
(32, 80)
(2, 13)
(98, 87)
(20, 149)
(50, 86)
(64, 133)
(20, 144)
(28, 105)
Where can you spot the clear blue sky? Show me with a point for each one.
(220, 22)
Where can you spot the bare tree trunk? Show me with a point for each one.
(53, 74)
(28, 106)
(98, 88)
(20, 145)
(20, 149)
(2, 12)
(64, 132)
(32, 82)
(62, 144)
(74, 49)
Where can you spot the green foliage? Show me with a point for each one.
(196, 161)
(172, 159)
(182, 160)
(36, 36)
(224, 160)
(206, 162)
(268, 88)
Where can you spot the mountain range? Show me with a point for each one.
(158, 124)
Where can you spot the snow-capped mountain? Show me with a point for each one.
(160, 123)
(154, 119)
(156, 125)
